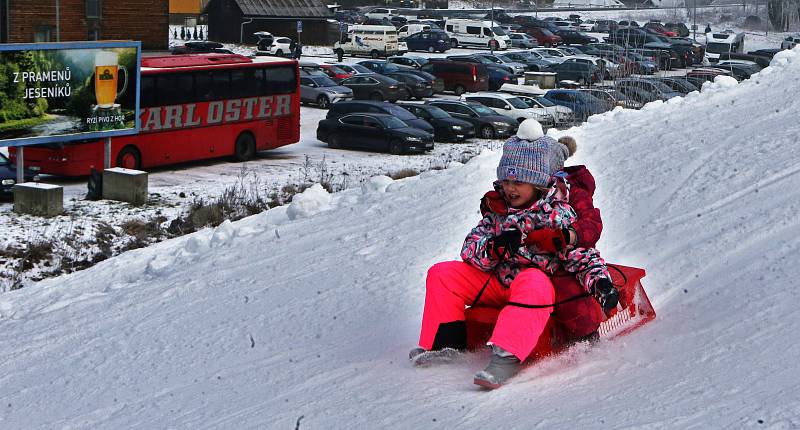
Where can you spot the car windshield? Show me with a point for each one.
(529, 102)
(517, 103)
(360, 69)
(718, 48)
(392, 122)
(504, 58)
(437, 113)
(390, 67)
(482, 110)
(664, 88)
(545, 102)
(498, 31)
(546, 32)
(323, 81)
(400, 113)
(337, 70)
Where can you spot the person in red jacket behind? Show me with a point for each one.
(578, 318)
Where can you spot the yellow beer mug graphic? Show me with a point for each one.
(106, 78)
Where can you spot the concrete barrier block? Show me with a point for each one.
(125, 185)
(36, 198)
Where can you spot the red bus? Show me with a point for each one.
(193, 107)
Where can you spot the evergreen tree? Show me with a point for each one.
(201, 34)
(183, 33)
(194, 36)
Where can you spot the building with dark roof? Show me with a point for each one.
(237, 20)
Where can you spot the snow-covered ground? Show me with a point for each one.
(301, 317)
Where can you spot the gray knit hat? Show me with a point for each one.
(533, 162)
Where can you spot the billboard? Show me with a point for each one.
(58, 92)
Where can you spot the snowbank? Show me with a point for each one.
(279, 319)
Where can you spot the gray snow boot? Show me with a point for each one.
(421, 358)
(501, 368)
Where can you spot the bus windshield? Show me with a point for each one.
(718, 48)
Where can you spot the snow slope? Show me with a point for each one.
(307, 312)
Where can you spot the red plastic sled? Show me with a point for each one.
(633, 311)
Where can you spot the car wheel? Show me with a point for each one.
(487, 132)
(279, 53)
(245, 148)
(409, 95)
(374, 54)
(323, 102)
(129, 158)
(395, 147)
(334, 141)
(431, 50)
(459, 89)
(453, 43)
(378, 97)
(548, 45)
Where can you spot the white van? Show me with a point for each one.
(381, 13)
(408, 30)
(372, 40)
(482, 34)
(721, 43)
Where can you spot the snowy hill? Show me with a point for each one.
(309, 311)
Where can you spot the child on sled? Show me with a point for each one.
(508, 258)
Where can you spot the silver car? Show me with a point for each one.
(322, 91)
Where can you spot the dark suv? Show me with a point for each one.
(488, 123)
(356, 106)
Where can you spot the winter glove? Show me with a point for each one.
(549, 240)
(506, 243)
(606, 294)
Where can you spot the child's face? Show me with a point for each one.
(520, 195)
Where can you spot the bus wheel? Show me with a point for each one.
(323, 102)
(245, 147)
(375, 54)
(334, 142)
(129, 158)
(459, 89)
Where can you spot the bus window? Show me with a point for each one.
(175, 89)
(147, 97)
(281, 80)
(221, 84)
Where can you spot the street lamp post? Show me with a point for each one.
(58, 20)
(491, 28)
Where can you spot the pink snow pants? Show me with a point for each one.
(452, 285)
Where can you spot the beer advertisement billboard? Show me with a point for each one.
(68, 91)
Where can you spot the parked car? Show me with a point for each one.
(357, 106)
(431, 41)
(535, 62)
(373, 132)
(769, 53)
(487, 122)
(562, 115)
(446, 128)
(269, 44)
(612, 98)
(604, 25)
(638, 64)
(522, 40)
(388, 68)
(790, 41)
(762, 61)
(658, 27)
(574, 37)
(543, 36)
(480, 59)
(335, 72)
(678, 84)
(583, 105)
(516, 68)
(353, 69)
(499, 77)
(582, 73)
(459, 77)
(707, 73)
(627, 24)
(608, 69)
(512, 106)
(738, 70)
(8, 177)
(375, 87)
(645, 90)
(408, 60)
(322, 91)
(678, 28)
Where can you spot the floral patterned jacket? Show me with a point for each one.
(552, 211)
